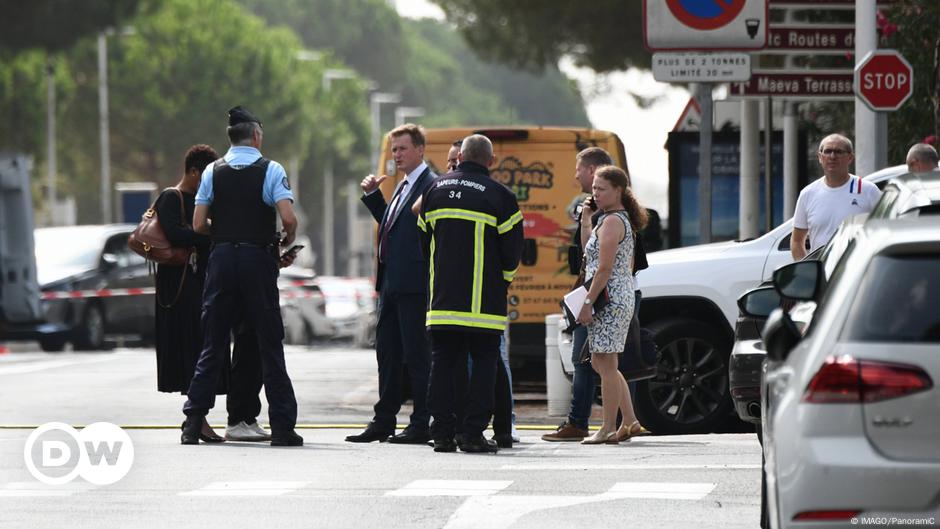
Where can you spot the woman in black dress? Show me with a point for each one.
(179, 288)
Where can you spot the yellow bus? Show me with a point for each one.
(537, 163)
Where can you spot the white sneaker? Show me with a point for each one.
(246, 432)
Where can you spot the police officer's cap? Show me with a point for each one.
(237, 115)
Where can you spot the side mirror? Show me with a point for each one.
(530, 252)
(801, 281)
(109, 261)
(780, 335)
(759, 302)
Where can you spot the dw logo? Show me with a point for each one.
(55, 453)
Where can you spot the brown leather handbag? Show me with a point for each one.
(149, 240)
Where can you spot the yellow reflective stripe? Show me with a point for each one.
(431, 269)
(476, 294)
(463, 214)
(509, 275)
(421, 225)
(466, 319)
(510, 222)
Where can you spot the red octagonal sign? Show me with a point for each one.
(884, 80)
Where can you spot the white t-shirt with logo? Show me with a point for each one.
(820, 208)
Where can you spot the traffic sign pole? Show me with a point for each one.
(870, 154)
(704, 91)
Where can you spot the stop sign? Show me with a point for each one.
(884, 80)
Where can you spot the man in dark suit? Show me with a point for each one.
(401, 341)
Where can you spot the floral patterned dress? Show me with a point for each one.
(608, 332)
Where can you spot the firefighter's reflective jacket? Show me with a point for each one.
(471, 230)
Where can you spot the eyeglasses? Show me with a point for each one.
(833, 152)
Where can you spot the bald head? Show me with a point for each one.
(477, 148)
(922, 158)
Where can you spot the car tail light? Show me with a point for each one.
(830, 516)
(847, 380)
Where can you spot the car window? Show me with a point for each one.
(897, 301)
(832, 280)
(885, 204)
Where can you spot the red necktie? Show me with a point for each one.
(392, 210)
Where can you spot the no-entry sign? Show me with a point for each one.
(700, 25)
(884, 80)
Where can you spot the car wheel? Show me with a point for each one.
(91, 335)
(690, 393)
(52, 345)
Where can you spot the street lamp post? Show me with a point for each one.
(329, 252)
(103, 128)
(375, 101)
(403, 113)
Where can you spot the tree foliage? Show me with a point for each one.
(458, 89)
(604, 35)
(366, 34)
(172, 81)
(56, 25)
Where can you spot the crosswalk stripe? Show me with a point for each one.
(450, 487)
(247, 488)
(626, 466)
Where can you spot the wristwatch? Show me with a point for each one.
(587, 301)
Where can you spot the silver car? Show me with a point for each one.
(851, 414)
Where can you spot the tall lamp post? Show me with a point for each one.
(376, 100)
(403, 113)
(329, 253)
(103, 127)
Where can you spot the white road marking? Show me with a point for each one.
(626, 466)
(450, 487)
(33, 489)
(501, 512)
(247, 488)
(31, 367)
(660, 490)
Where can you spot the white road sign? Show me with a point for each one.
(701, 67)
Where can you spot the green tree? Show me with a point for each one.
(56, 25)
(172, 81)
(366, 34)
(457, 88)
(604, 35)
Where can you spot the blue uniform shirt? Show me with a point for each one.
(276, 186)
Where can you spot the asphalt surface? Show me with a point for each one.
(707, 481)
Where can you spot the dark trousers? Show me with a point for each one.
(243, 277)
(401, 348)
(502, 393)
(448, 350)
(244, 402)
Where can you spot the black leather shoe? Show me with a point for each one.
(445, 445)
(192, 428)
(370, 434)
(478, 445)
(410, 436)
(287, 438)
(503, 440)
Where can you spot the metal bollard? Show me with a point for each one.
(557, 385)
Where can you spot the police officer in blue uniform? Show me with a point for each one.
(243, 193)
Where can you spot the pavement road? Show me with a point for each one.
(706, 481)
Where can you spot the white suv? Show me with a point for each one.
(690, 305)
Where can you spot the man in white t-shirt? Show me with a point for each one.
(825, 203)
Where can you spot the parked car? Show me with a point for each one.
(94, 265)
(908, 195)
(850, 407)
(690, 306)
(351, 307)
(303, 307)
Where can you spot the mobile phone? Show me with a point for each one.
(592, 202)
(292, 252)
